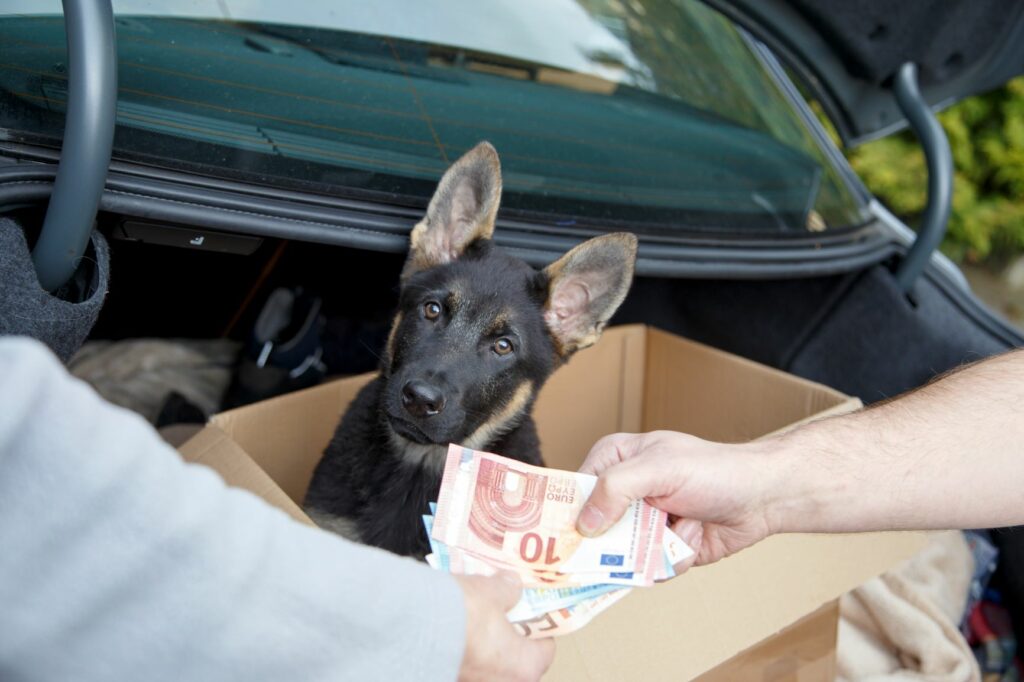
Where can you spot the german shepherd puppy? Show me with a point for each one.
(476, 334)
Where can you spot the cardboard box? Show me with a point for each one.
(768, 613)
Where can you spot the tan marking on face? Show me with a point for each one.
(500, 323)
(389, 349)
(454, 298)
(504, 421)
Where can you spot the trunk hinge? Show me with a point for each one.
(88, 140)
(939, 161)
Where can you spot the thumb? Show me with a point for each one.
(616, 489)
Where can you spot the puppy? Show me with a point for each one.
(476, 334)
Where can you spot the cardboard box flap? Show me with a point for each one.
(727, 607)
(721, 397)
(214, 448)
(286, 435)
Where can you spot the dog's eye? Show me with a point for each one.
(503, 346)
(431, 310)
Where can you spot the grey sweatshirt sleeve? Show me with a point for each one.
(118, 561)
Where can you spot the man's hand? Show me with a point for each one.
(914, 462)
(713, 493)
(494, 649)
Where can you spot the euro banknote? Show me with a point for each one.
(524, 516)
(495, 513)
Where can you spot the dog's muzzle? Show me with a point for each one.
(421, 399)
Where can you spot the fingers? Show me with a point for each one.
(691, 532)
(504, 589)
(616, 489)
(608, 451)
(495, 650)
(508, 589)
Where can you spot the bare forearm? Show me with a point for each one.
(949, 455)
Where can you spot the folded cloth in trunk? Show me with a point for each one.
(904, 624)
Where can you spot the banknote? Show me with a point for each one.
(537, 618)
(497, 514)
(437, 549)
(567, 620)
(675, 552)
(456, 560)
(534, 602)
(553, 579)
(524, 517)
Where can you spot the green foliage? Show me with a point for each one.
(986, 134)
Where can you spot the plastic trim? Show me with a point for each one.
(88, 141)
(939, 159)
(289, 215)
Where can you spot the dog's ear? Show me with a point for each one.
(585, 287)
(462, 210)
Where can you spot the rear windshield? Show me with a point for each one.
(656, 116)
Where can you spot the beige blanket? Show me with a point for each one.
(902, 625)
(139, 374)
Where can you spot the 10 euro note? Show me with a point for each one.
(524, 517)
(533, 602)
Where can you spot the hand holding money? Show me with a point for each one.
(717, 493)
(494, 649)
(495, 513)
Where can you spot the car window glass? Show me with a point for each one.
(654, 116)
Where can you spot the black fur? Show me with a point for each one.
(361, 476)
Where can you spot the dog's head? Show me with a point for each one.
(478, 331)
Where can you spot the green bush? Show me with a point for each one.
(986, 134)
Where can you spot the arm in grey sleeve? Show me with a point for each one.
(120, 561)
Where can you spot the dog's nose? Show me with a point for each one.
(421, 399)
